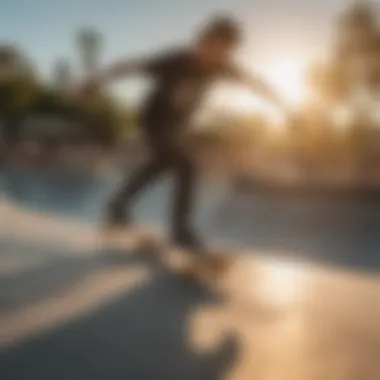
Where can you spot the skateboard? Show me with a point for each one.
(191, 265)
(211, 268)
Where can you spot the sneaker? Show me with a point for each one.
(187, 239)
(116, 216)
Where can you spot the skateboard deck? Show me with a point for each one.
(221, 269)
(192, 265)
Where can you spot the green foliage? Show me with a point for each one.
(104, 120)
(16, 95)
(99, 119)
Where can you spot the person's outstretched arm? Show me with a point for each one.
(264, 90)
(117, 71)
(152, 66)
(259, 86)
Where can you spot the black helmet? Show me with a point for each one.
(223, 27)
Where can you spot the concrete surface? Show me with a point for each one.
(302, 300)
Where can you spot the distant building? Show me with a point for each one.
(47, 119)
(62, 76)
(89, 43)
(51, 126)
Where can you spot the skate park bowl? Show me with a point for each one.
(301, 301)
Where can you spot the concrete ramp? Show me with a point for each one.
(73, 308)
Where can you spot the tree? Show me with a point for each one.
(100, 118)
(356, 44)
(17, 94)
(330, 82)
(353, 65)
(18, 88)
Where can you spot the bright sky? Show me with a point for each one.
(281, 35)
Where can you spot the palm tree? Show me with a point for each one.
(352, 70)
(356, 43)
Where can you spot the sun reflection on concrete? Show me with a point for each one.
(282, 283)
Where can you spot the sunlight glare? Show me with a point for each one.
(282, 282)
(286, 75)
(342, 117)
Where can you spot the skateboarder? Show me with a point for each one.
(181, 77)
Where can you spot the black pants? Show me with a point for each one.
(166, 155)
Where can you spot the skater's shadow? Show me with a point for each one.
(142, 334)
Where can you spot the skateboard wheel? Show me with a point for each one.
(189, 273)
(147, 245)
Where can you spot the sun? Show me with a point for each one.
(286, 75)
(283, 283)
